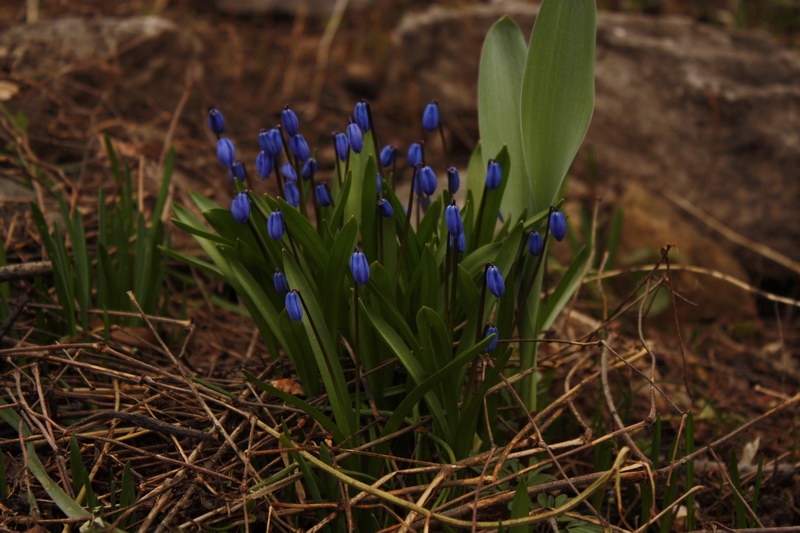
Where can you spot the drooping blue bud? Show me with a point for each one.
(361, 116)
(293, 306)
(299, 147)
(276, 226)
(226, 153)
(290, 122)
(415, 154)
(288, 172)
(240, 207)
(535, 243)
(355, 137)
(280, 282)
(494, 280)
(494, 173)
(216, 122)
(359, 267)
(271, 141)
(453, 180)
(491, 329)
(322, 195)
(558, 225)
(309, 169)
(291, 193)
(427, 180)
(378, 183)
(430, 116)
(385, 209)
(342, 147)
(388, 154)
(452, 217)
(264, 164)
(238, 171)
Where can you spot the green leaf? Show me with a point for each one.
(557, 94)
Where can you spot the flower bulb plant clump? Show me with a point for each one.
(400, 309)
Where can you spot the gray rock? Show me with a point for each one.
(710, 114)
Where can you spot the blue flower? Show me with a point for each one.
(288, 172)
(240, 207)
(238, 171)
(226, 153)
(494, 173)
(359, 267)
(322, 195)
(430, 116)
(216, 122)
(355, 137)
(290, 122)
(342, 148)
(276, 226)
(299, 147)
(452, 217)
(291, 193)
(293, 306)
(461, 243)
(361, 115)
(271, 141)
(427, 180)
(415, 154)
(280, 282)
(388, 153)
(453, 180)
(491, 330)
(535, 243)
(385, 208)
(494, 280)
(378, 183)
(309, 169)
(264, 164)
(558, 225)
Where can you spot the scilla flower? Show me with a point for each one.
(276, 226)
(299, 147)
(264, 164)
(535, 243)
(388, 153)
(216, 122)
(415, 154)
(452, 217)
(558, 225)
(280, 282)
(309, 169)
(453, 180)
(359, 267)
(385, 208)
(293, 306)
(494, 173)
(490, 330)
(240, 207)
(238, 171)
(340, 142)
(361, 115)
(430, 116)
(271, 141)
(288, 172)
(290, 122)
(226, 153)
(322, 195)
(427, 180)
(355, 137)
(291, 193)
(494, 281)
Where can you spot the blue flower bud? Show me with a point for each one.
(388, 153)
(240, 207)
(453, 180)
(309, 169)
(452, 217)
(415, 154)
(494, 280)
(280, 282)
(342, 148)
(290, 122)
(276, 226)
(288, 172)
(299, 147)
(238, 171)
(291, 193)
(226, 153)
(355, 137)
(271, 141)
(359, 267)
(293, 306)
(216, 122)
(322, 195)
(494, 173)
(461, 243)
(385, 208)
(491, 330)
(430, 116)
(361, 115)
(378, 183)
(535, 243)
(264, 164)
(558, 225)
(427, 180)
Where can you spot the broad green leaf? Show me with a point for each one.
(557, 94)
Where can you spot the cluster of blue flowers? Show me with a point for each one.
(300, 164)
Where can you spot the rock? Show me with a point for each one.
(710, 114)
